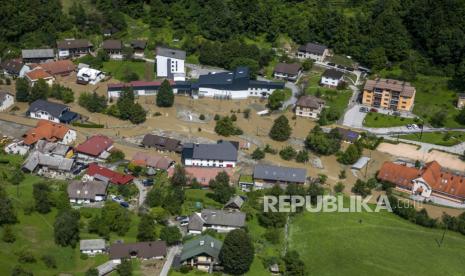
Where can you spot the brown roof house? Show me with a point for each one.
(313, 51)
(141, 250)
(287, 71)
(113, 48)
(430, 182)
(81, 192)
(59, 68)
(139, 48)
(14, 67)
(309, 106)
(162, 143)
(69, 48)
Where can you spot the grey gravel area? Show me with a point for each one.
(13, 130)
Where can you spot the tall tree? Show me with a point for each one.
(237, 252)
(7, 211)
(179, 178)
(165, 95)
(146, 229)
(281, 130)
(116, 218)
(66, 228)
(39, 91)
(222, 191)
(41, 193)
(171, 235)
(22, 90)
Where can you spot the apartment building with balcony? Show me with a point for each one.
(389, 94)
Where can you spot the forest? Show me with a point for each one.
(423, 36)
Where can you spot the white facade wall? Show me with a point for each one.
(7, 103)
(92, 251)
(235, 94)
(176, 66)
(209, 163)
(221, 228)
(44, 115)
(329, 81)
(70, 137)
(307, 112)
(305, 55)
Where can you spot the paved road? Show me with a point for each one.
(142, 191)
(426, 147)
(172, 252)
(295, 94)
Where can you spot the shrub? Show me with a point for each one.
(234, 117)
(202, 117)
(83, 256)
(246, 113)
(258, 154)
(288, 153)
(156, 114)
(8, 81)
(26, 257)
(339, 187)
(87, 125)
(49, 261)
(217, 117)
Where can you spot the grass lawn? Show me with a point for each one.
(433, 94)
(438, 138)
(341, 60)
(194, 196)
(383, 244)
(119, 68)
(382, 120)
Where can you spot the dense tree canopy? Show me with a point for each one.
(237, 252)
(66, 228)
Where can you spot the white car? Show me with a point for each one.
(415, 126)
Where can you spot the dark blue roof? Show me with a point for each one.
(237, 80)
(68, 117)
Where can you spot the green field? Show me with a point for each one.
(382, 120)
(118, 68)
(196, 197)
(382, 244)
(447, 139)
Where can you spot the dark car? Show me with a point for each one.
(147, 182)
(341, 67)
(124, 204)
(331, 64)
(180, 218)
(350, 69)
(373, 110)
(80, 167)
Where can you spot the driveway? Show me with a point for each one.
(295, 94)
(142, 191)
(353, 117)
(172, 252)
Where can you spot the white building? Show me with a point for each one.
(92, 247)
(220, 155)
(313, 51)
(331, 78)
(219, 220)
(38, 73)
(84, 192)
(170, 63)
(50, 111)
(89, 75)
(309, 106)
(6, 100)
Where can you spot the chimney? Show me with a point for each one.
(212, 244)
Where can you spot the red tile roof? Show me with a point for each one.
(47, 130)
(60, 67)
(152, 160)
(37, 74)
(114, 177)
(95, 145)
(440, 180)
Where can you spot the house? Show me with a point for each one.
(113, 48)
(147, 88)
(389, 94)
(314, 51)
(461, 101)
(92, 247)
(59, 67)
(430, 182)
(14, 68)
(203, 175)
(6, 100)
(162, 143)
(223, 154)
(107, 32)
(107, 267)
(55, 112)
(49, 165)
(38, 73)
(141, 250)
(347, 135)
(331, 78)
(219, 220)
(234, 203)
(88, 75)
(201, 253)
(287, 71)
(233, 85)
(170, 63)
(69, 48)
(309, 106)
(138, 46)
(96, 172)
(50, 132)
(95, 149)
(80, 192)
(266, 176)
(152, 161)
(37, 55)
(54, 149)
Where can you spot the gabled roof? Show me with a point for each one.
(314, 48)
(171, 53)
(86, 190)
(139, 44)
(277, 173)
(73, 43)
(223, 218)
(152, 160)
(310, 101)
(58, 67)
(333, 74)
(223, 150)
(461, 96)
(3, 96)
(37, 158)
(404, 88)
(93, 244)
(95, 145)
(162, 142)
(106, 174)
(201, 245)
(234, 202)
(287, 68)
(52, 148)
(55, 109)
(112, 44)
(143, 250)
(38, 74)
(12, 66)
(38, 53)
